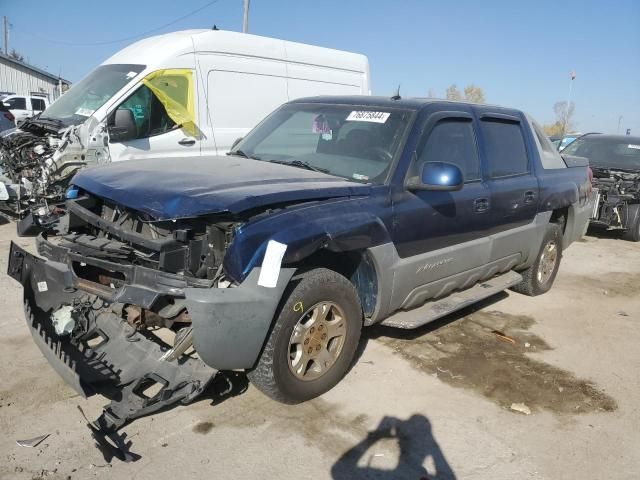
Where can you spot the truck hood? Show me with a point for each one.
(172, 188)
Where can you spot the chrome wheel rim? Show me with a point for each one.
(547, 262)
(317, 340)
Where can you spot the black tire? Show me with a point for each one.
(632, 233)
(531, 284)
(272, 374)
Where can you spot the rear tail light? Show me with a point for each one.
(9, 116)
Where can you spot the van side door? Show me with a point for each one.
(441, 234)
(155, 133)
(512, 182)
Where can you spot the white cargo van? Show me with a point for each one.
(226, 81)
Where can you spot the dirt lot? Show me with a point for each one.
(435, 403)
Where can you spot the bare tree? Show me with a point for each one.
(15, 55)
(431, 93)
(473, 94)
(453, 93)
(564, 120)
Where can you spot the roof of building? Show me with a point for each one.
(35, 69)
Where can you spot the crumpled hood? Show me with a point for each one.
(171, 188)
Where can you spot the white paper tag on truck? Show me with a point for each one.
(4, 194)
(365, 116)
(271, 264)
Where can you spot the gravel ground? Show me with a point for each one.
(434, 403)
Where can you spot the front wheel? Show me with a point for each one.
(313, 340)
(539, 277)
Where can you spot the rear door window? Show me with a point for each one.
(504, 147)
(37, 104)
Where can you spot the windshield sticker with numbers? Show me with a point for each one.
(365, 116)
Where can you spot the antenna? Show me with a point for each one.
(397, 95)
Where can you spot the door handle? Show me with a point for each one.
(480, 205)
(529, 196)
(187, 142)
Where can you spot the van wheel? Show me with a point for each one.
(539, 277)
(313, 339)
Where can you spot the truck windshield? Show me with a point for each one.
(91, 93)
(349, 141)
(606, 152)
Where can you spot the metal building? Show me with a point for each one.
(24, 79)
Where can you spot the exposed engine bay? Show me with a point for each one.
(616, 189)
(194, 247)
(121, 323)
(37, 162)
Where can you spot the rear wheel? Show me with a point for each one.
(539, 277)
(633, 230)
(313, 340)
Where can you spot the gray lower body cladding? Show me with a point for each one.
(230, 325)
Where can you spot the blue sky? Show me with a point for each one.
(520, 53)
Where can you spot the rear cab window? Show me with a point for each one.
(549, 155)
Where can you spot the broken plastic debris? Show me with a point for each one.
(521, 407)
(32, 442)
(502, 336)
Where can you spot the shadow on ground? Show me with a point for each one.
(413, 443)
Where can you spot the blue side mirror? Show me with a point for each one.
(439, 176)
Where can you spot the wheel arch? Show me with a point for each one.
(355, 265)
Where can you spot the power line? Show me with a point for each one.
(93, 44)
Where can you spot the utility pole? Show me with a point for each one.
(6, 35)
(572, 77)
(245, 16)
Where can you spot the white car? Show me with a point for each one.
(25, 106)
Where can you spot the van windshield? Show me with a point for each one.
(93, 91)
(354, 142)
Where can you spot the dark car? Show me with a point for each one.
(333, 214)
(615, 161)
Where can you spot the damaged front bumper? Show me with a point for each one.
(105, 354)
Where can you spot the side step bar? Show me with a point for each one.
(432, 310)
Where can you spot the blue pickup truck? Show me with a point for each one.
(333, 214)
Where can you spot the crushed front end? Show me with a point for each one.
(140, 310)
(615, 191)
(37, 162)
